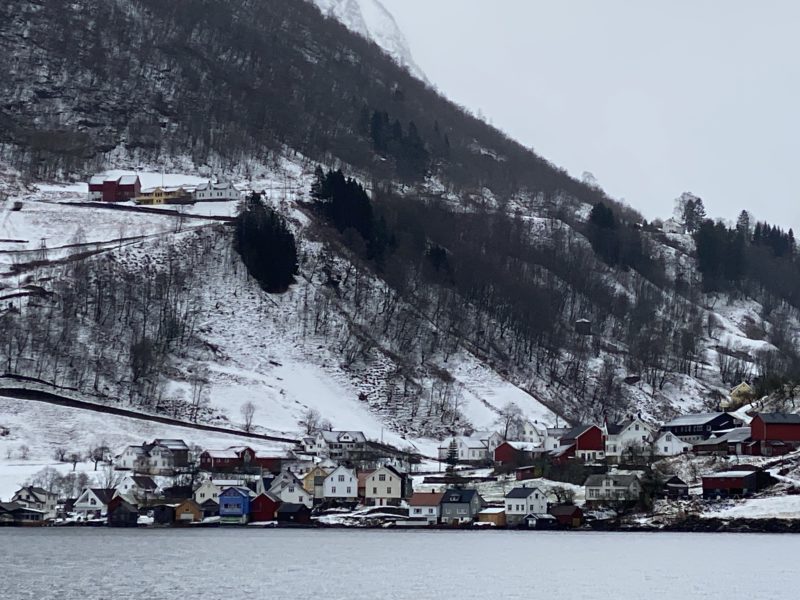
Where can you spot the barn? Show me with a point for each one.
(775, 427)
(730, 483)
(120, 189)
(263, 508)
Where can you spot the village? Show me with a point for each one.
(548, 478)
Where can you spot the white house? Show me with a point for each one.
(612, 487)
(289, 489)
(632, 434)
(531, 433)
(552, 437)
(468, 449)
(672, 225)
(137, 486)
(384, 487)
(341, 484)
(339, 445)
(425, 505)
(38, 499)
(669, 444)
(220, 191)
(524, 501)
(132, 458)
(93, 502)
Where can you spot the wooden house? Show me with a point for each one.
(163, 514)
(37, 498)
(210, 508)
(461, 506)
(188, 511)
(341, 485)
(527, 472)
(234, 505)
(586, 443)
(293, 514)
(13, 513)
(733, 483)
(425, 506)
(386, 487)
(775, 427)
(264, 508)
(523, 501)
(669, 444)
(496, 515)
(93, 502)
(122, 513)
(696, 427)
(313, 482)
(631, 436)
(119, 189)
(567, 515)
(612, 487)
(515, 453)
(674, 488)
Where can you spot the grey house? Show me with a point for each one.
(461, 505)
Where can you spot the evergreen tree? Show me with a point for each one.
(452, 456)
(266, 245)
(743, 223)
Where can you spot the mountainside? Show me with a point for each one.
(457, 272)
(370, 19)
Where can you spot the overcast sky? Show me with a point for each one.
(652, 98)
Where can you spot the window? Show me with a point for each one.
(341, 477)
(462, 511)
(510, 507)
(417, 511)
(300, 498)
(291, 489)
(637, 427)
(666, 449)
(349, 489)
(388, 490)
(333, 490)
(375, 491)
(669, 437)
(381, 477)
(430, 511)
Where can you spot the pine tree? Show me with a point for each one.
(452, 456)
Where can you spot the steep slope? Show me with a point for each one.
(370, 19)
(487, 255)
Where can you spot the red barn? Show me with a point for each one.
(730, 483)
(514, 453)
(264, 508)
(120, 189)
(775, 427)
(567, 515)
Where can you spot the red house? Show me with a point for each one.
(514, 453)
(730, 483)
(120, 189)
(775, 427)
(264, 508)
(235, 458)
(585, 442)
(567, 515)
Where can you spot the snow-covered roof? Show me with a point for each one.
(172, 443)
(524, 446)
(128, 179)
(96, 180)
(694, 419)
(492, 511)
(739, 434)
(336, 436)
(782, 418)
(722, 474)
(222, 454)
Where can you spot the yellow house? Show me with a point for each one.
(739, 396)
(162, 195)
(312, 482)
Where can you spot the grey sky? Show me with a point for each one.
(653, 98)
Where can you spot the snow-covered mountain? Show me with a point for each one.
(370, 19)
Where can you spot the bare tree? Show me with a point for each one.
(74, 458)
(48, 479)
(108, 478)
(199, 382)
(98, 454)
(248, 411)
(310, 421)
(60, 454)
(24, 452)
(510, 419)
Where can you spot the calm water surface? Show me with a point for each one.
(103, 564)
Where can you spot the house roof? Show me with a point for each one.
(780, 418)
(289, 508)
(128, 179)
(145, 482)
(457, 496)
(39, 493)
(693, 419)
(522, 492)
(564, 510)
(362, 477)
(171, 443)
(221, 454)
(617, 478)
(523, 446)
(425, 498)
(738, 434)
(210, 503)
(492, 510)
(732, 473)
(576, 432)
(333, 437)
(225, 483)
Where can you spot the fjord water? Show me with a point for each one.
(239, 564)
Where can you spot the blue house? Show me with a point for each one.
(234, 505)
